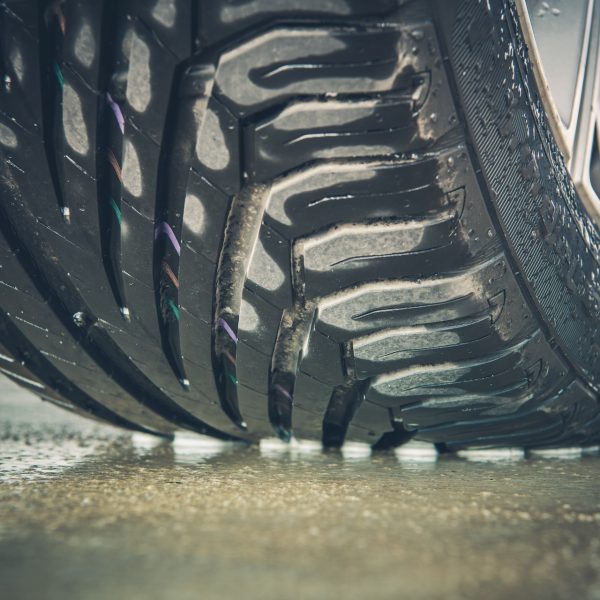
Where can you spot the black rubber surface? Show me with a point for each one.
(339, 220)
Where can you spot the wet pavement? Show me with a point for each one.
(90, 512)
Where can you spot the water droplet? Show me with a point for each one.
(79, 319)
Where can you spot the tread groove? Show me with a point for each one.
(17, 224)
(52, 31)
(192, 86)
(111, 125)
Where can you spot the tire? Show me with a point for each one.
(337, 220)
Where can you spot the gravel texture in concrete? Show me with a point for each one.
(90, 512)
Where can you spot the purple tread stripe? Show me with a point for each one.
(228, 329)
(284, 392)
(117, 111)
(164, 227)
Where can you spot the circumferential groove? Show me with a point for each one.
(239, 241)
(111, 126)
(53, 26)
(192, 88)
(17, 224)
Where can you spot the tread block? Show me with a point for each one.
(219, 21)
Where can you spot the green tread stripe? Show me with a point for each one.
(59, 74)
(117, 210)
(173, 308)
(231, 377)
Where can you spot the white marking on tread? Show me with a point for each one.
(248, 320)
(50, 355)
(194, 214)
(7, 136)
(12, 164)
(139, 84)
(74, 124)
(8, 285)
(8, 359)
(264, 271)
(131, 171)
(85, 45)
(44, 329)
(78, 167)
(165, 12)
(211, 148)
(23, 379)
(110, 325)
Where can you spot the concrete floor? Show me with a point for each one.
(88, 512)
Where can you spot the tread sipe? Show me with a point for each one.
(338, 220)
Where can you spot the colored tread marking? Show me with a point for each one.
(117, 112)
(164, 227)
(228, 355)
(59, 75)
(60, 17)
(284, 392)
(228, 329)
(115, 165)
(232, 377)
(117, 210)
(173, 308)
(167, 269)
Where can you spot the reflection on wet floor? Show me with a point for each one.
(38, 441)
(92, 512)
